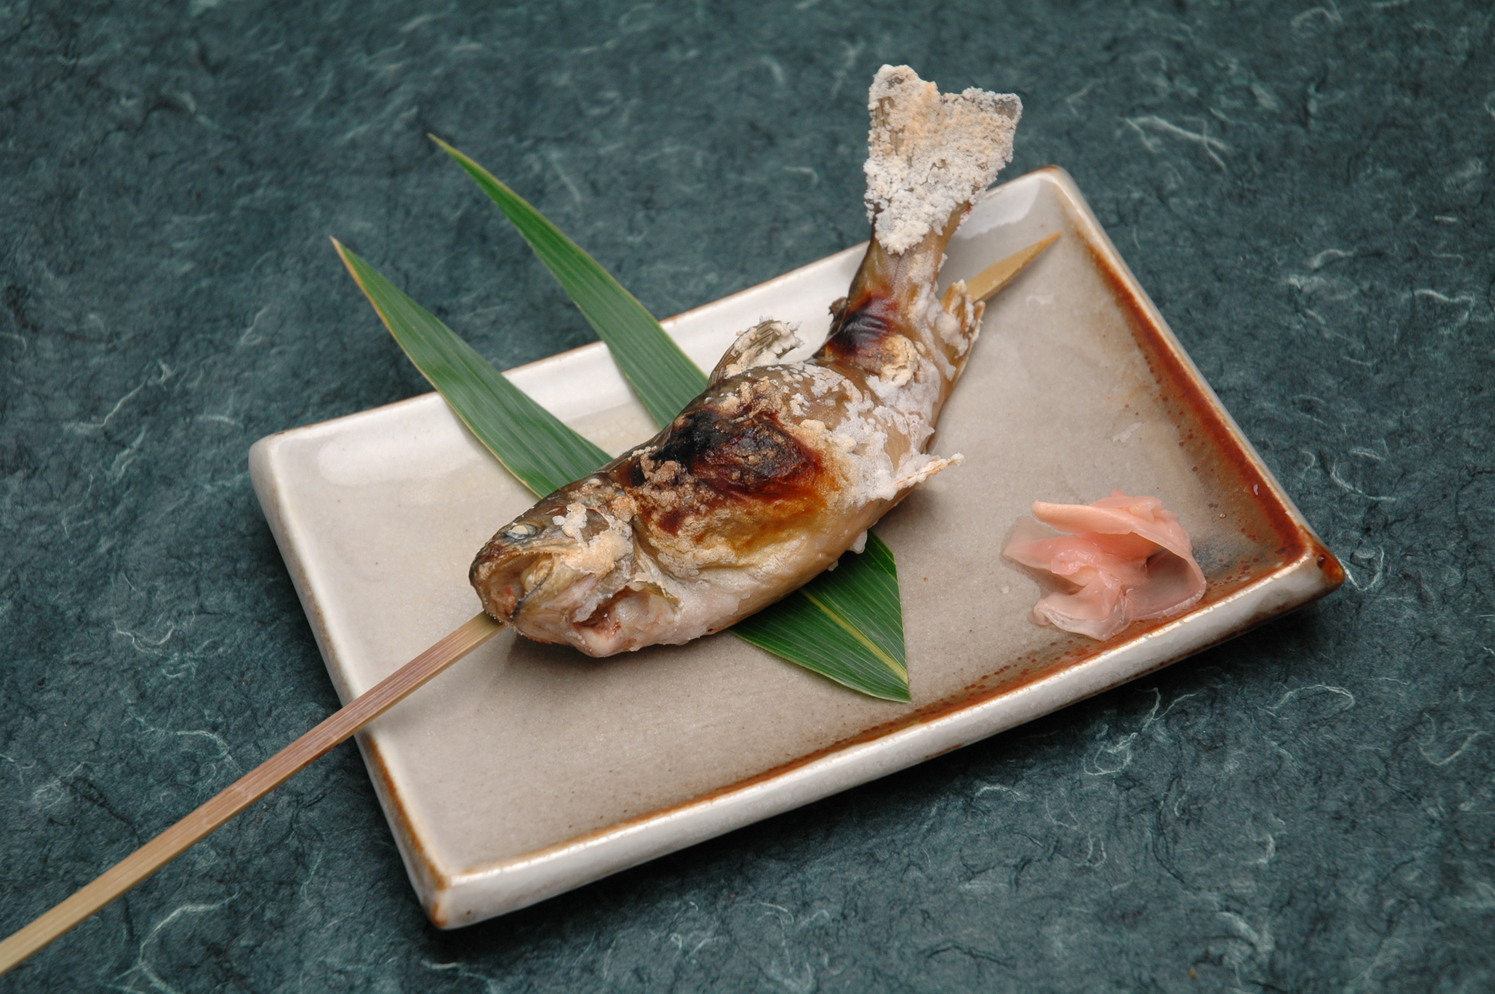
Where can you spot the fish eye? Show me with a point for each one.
(521, 530)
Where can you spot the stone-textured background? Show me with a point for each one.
(1305, 190)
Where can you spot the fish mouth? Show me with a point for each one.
(510, 581)
(554, 595)
(532, 582)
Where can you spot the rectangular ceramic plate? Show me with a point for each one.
(527, 769)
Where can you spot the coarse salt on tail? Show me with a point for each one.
(764, 480)
(1124, 559)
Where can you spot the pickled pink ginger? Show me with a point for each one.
(1124, 559)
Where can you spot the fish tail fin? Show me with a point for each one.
(931, 155)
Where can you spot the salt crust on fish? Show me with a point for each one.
(914, 183)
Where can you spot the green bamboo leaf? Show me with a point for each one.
(846, 624)
(662, 376)
(543, 453)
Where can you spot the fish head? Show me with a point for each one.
(554, 567)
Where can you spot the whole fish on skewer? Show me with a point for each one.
(778, 467)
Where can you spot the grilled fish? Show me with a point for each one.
(778, 467)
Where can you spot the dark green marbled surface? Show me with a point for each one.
(1305, 190)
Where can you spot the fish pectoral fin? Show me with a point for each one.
(958, 303)
(759, 345)
(966, 311)
(924, 472)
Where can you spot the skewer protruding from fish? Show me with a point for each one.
(777, 468)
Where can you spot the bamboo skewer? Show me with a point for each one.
(333, 730)
(273, 772)
(985, 284)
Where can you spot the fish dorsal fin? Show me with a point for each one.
(761, 344)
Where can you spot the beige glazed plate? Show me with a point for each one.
(527, 770)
